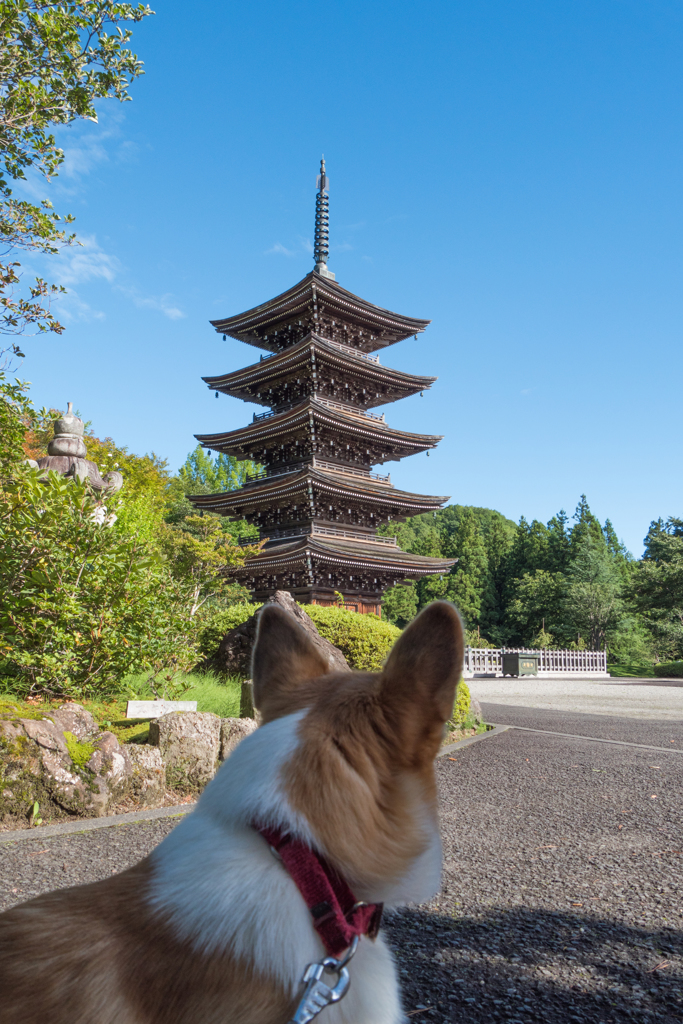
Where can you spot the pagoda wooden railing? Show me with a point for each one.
(351, 409)
(336, 344)
(348, 408)
(352, 351)
(333, 531)
(325, 531)
(321, 464)
(487, 661)
(350, 470)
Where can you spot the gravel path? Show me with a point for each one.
(561, 899)
(668, 733)
(627, 698)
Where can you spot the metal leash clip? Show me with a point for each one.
(317, 995)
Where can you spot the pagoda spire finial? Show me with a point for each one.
(321, 246)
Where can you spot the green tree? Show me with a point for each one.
(80, 604)
(200, 555)
(56, 61)
(399, 604)
(15, 411)
(537, 606)
(201, 473)
(467, 582)
(593, 603)
(656, 587)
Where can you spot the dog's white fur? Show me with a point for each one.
(244, 900)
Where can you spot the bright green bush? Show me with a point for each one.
(81, 605)
(214, 623)
(670, 669)
(364, 640)
(461, 708)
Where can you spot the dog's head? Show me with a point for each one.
(361, 771)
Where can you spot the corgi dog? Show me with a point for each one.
(211, 927)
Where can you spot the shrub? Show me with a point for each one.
(670, 669)
(461, 708)
(364, 640)
(214, 623)
(80, 604)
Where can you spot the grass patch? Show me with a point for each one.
(220, 696)
(212, 693)
(632, 671)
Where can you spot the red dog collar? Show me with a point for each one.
(337, 916)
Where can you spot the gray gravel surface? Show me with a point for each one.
(561, 898)
(29, 868)
(632, 730)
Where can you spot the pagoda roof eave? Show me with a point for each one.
(347, 553)
(282, 487)
(287, 422)
(236, 382)
(390, 327)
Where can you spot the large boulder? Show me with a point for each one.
(148, 779)
(233, 657)
(69, 785)
(189, 743)
(233, 731)
(75, 719)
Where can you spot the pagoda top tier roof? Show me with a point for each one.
(249, 382)
(346, 553)
(321, 305)
(387, 442)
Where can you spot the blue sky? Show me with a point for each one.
(512, 171)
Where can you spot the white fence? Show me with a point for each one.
(483, 661)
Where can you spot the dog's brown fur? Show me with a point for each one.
(363, 769)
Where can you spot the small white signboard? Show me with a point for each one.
(156, 708)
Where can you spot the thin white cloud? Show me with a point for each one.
(306, 244)
(71, 307)
(279, 249)
(161, 303)
(85, 262)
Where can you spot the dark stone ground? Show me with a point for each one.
(561, 896)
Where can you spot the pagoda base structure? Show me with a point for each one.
(317, 504)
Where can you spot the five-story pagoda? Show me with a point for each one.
(317, 504)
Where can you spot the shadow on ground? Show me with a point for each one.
(519, 965)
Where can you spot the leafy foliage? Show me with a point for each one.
(670, 669)
(364, 640)
(203, 474)
(80, 604)
(56, 61)
(199, 553)
(461, 708)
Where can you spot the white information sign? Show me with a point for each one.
(156, 708)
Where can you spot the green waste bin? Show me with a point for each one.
(519, 664)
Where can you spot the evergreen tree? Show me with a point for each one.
(468, 579)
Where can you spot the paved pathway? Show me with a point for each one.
(561, 897)
(656, 699)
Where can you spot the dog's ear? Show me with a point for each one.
(417, 687)
(283, 660)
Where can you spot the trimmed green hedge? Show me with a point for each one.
(213, 625)
(364, 640)
(672, 669)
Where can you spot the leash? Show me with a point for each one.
(338, 917)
